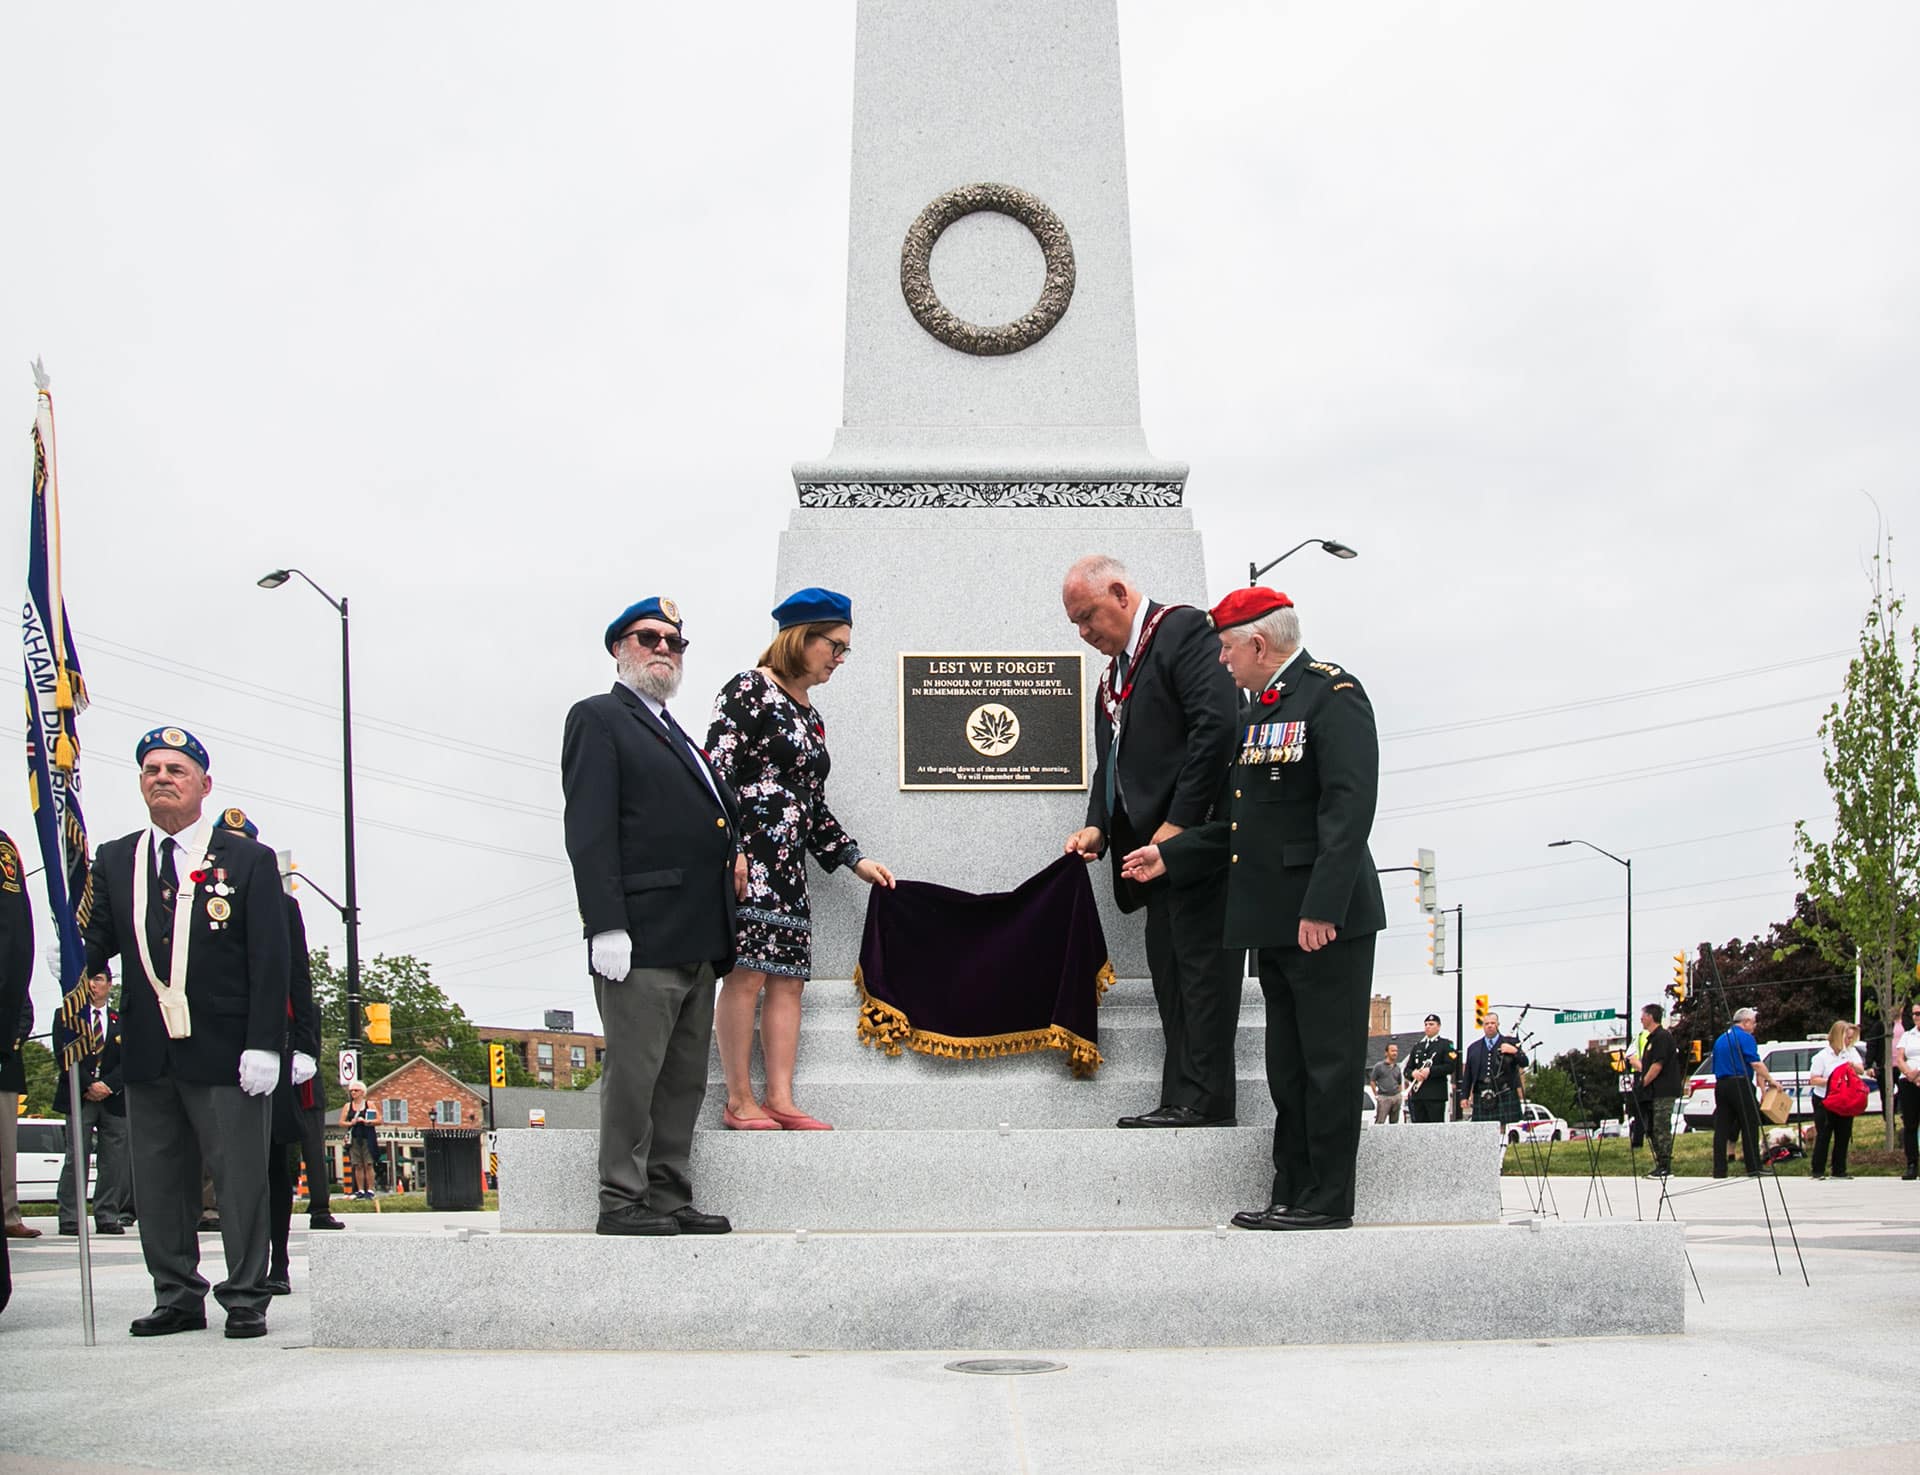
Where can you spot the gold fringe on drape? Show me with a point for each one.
(884, 1027)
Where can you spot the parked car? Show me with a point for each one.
(1537, 1124)
(43, 1148)
(1787, 1060)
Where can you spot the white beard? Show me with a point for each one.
(648, 679)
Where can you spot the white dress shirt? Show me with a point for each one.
(699, 758)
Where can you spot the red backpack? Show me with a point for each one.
(1846, 1092)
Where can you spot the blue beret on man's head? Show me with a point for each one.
(813, 607)
(178, 739)
(653, 607)
(236, 819)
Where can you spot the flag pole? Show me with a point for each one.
(77, 1155)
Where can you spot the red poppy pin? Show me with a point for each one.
(196, 877)
(1269, 697)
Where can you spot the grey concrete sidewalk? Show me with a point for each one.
(200, 1403)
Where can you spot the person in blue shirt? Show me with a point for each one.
(1736, 1110)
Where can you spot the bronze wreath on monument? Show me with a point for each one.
(916, 279)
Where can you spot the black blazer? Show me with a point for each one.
(1292, 836)
(1176, 738)
(1486, 1069)
(652, 848)
(303, 1030)
(104, 1067)
(16, 966)
(237, 977)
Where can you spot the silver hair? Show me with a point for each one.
(1280, 630)
(635, 668)
(1098, 569)
(1740, 1014)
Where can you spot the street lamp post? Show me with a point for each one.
(1626, 1019)
(1337, 549)
(350, 912)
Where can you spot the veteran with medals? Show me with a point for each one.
(196, 916)
(1301, 890)
(1163, 732)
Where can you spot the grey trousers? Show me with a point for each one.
(9, 1157)
(104, 1136)
(659, 1024)
(175, 1125)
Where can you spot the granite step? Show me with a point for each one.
(1027, 1091)
(1053, 1179)
(1016, 1291)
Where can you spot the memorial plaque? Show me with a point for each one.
(992, 721)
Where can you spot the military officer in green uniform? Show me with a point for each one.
(1431, 1062)
(1290, 830)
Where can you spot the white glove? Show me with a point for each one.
(304, 1067)
(259, 1071)
(54, 955)
(612, 955)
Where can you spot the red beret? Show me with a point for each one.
(1244, 606)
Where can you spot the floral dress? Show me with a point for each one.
(773, 751)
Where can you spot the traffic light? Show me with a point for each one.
(1696, 1052)
(1437, 942)
(1429, 889)
(1618, 1060)
(379, 1024)
(497, 1065)
(1677, 990)
(1479, 1011)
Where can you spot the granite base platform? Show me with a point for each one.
(1009, 1291)
(987, 1179)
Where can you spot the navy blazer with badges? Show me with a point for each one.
(652, 847)
(1177, 732)
(237, 974)
(1488, 1070)
(16, 967)
(104, 1067)
(1292, 836)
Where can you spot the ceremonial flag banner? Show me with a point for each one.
(946, 972)
(56, 696)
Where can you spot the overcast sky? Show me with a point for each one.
(1594, 327)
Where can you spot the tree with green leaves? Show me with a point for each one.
(1798, 992)
(1862, 881)
(41, 1074)
(425, 1022)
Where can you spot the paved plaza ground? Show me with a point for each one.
(1770, 1376)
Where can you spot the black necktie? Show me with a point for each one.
(169, 875)
(160, 907)
(1120, 665)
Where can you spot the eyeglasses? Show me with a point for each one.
(654, 639)
(840, 648)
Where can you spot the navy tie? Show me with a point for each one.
(1120, 664)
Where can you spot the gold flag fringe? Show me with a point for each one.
(883, 1027)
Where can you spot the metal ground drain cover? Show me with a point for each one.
(1005, 1367)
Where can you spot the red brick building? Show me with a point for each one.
(552, 1057)
(417, 1096)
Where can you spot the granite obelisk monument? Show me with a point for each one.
(991, 435)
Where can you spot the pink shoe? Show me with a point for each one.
(747, 1123)
(797, 1121)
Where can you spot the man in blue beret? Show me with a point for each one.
(195, 914)
(653, 835)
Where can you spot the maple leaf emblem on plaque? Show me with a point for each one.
(992, 730)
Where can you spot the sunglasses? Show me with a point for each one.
(653, 640)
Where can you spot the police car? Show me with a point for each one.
(1787, 1060)
(1537, 1124)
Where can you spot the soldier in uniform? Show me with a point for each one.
(1301, 890)
(1431, 1062)
(196, 916)
(16, 1023)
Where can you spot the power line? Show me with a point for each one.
(1584, 704)
(479, 906)
(1554, 865)
(398, 829)
(1409, 927)
(1608, 737)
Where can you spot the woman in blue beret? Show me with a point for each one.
(770, 743)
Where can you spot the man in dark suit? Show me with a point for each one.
(1490, 1079)
(102, 1118)
(16, 1023)
(195, 914)
(1301, 888)
(653, 834)
(1432, 1064)
(1163, 733)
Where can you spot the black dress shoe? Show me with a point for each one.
(246, 1324)
(1307, 1219)
(69, 1230)
(1254, 1218)
(325, 1221)
(164, 1321)
(1175, 1116)
(209, 1225)
(636, 1219)
(279, 1283)
(692, 1221)
(112, 1226)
